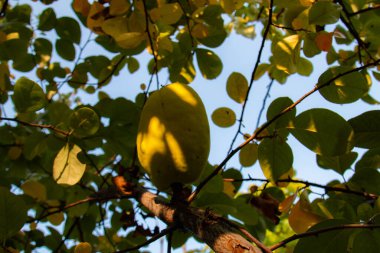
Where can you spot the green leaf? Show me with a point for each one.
(209, 63)
(275, 158)
(370, 100)
(223, 117)
(310, 47)
(68, 28)
(67, 169)
(133, 65)
(28, 96)
(323, 131)
(130, 40)
(365, 241)
(35, 145)
(84, 122)
(43, 46)
(245, 211)
(304, 67)
(368, 179)
(13, 214)
(168, 14)
(346, 89)
(20, 13)
(367, 129)
(328, 242)
(324, 12)
(237, 87)
(24, 63)
(248, 155)
(286, 53)
(34, 189)
(66, 49)
(47, 20)
(276, 107)
(370, 159)
(338, 163)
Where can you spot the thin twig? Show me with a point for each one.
(321, 231)
(364, 10)
(267, 95)
(269, 122)
(152, 239)
(51, 127)
(71, 229)
(258, 60)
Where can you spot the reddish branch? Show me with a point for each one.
(306, 183)
(210, 228)
(51, 127)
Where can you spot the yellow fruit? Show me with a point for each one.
(173, 140)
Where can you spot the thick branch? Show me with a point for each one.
(212, 229)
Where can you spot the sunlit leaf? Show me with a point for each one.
(237, 87)
(223, 117)
(84, 122)
(13, 214)
(209, 63)
(168, 13)
(304, 67)
(28, 96)
(323, 131)
(276, 107)
(67, 169)
(130, 40)
(275, 158)
(367, 129)
(346, 89)
(286, 53)
(248, 155)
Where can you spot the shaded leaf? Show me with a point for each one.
(83, 247)
(34, 189)
(248, 155)
(28, 96)
(13, 214)
(275, 158)
(367, 129)
(47, 20)
(338, 163)
(168, 14)
(68, 28)
(323, 131)
(324, 12)
(65, 48)
(67, 169)
(223, 117)
(209, 63)
(84, 122)
(276, 107)
(370, 159)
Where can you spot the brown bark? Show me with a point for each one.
(210, 228)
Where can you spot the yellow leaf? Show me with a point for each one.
(56, 218)
(323, 40)
(67, 169)
(81, 6)
(229, 189)
(301, 218)
(286, 204)
(167, 14)
(237, 87)
(231, 5)
(287, 53)
(130, 40)
(200, 31)
(119, 7)
(34, 189)
(83, 247)
(248, 155)
(115, 26)
(223, 117)
(96, 18)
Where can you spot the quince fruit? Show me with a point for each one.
(173, 140)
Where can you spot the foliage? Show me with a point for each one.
(59, 153)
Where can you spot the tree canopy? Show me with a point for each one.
(70, 178)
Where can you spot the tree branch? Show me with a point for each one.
(269, 122)
(210, 228)
(51, 127)
(306, 183)
(323, 230)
